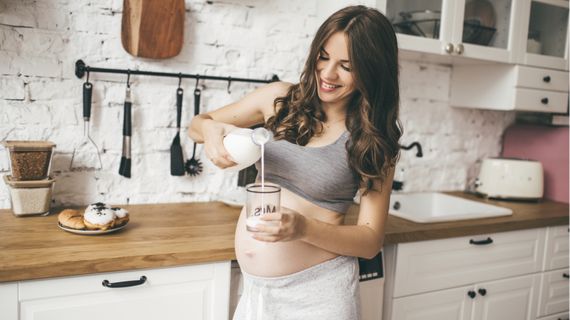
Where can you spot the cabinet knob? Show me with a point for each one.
(471, 294)
(459, 49)
(565, 275)
(449, 48)
(546, 79)
(544, 100)
(482, 291)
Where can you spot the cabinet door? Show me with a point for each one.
(546, 34)
(451, 304)
(419, 24)
(193, 292)
(556, 255)
(9, 301)
(553, 292)
(513, 298)
(486, 29)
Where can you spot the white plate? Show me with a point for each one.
(232, 203)
(90, 232)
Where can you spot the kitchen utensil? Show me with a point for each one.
(194, 166)
(510, 178)
(153, 29)
(125, 167)
(423, 23)
(86, 154)
(176, 154)
(479, 22)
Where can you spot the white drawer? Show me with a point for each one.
(556, 253)
(553, 292)
(545, 79)
(540, 100)
(35, 289)
(559, 316)
(438, 264)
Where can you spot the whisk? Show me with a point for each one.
(85, 153)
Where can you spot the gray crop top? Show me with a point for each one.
(319, 174)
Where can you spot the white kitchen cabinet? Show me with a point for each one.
(188, 292)
(485, 277)
(513, 298)
(556, 252)
(9, 301)
(466, 28)
(438, 264)
(544, 34)
(509, 87)
(553, 292)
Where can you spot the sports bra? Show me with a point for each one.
(319, 174)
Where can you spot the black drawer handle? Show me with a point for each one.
(565, 275)
(546, 79)
(544, 100)
(481, 242)
(471, 294)
(482, 291)
(124, 284)
(563, 319)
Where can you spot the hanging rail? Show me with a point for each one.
(81, 69)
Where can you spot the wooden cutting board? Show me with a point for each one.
(153, 28)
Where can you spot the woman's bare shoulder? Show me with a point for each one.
(277, 89)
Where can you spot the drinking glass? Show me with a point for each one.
(261, 200)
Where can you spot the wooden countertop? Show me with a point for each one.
(180, 234)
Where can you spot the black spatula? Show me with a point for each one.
(176, 154)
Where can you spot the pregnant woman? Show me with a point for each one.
(336, 132)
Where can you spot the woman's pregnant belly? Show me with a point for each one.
(273, 259)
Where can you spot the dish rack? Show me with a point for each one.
(473, 31)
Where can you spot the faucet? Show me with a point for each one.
(398, 185)
(416, 144)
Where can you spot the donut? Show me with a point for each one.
(99, 218)
(71, 218)
(122, 216)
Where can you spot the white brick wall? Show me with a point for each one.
(40, 98)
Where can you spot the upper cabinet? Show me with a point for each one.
(545, 34)
(478, 29)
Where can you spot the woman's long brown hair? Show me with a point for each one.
(372, 114)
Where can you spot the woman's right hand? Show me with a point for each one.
(214, 133)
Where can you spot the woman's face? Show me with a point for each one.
(334, 76)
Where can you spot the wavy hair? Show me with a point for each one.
(372, 114)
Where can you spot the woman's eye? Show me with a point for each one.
(321, 57)
(346, 68)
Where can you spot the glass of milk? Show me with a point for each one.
(261, 200)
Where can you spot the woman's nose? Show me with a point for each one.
(329, 71)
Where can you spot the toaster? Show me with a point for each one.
(510, 178)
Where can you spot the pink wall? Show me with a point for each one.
(549, 145)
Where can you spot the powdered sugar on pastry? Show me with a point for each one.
(99, 216)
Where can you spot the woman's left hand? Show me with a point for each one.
(286, 225)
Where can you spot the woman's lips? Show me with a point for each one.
(327, 87)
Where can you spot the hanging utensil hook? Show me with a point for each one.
(229, 84)
(87, 75)
(197, 81)
(128, 78)
(179, 79)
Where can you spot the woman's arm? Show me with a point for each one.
(365, 239)
(210, 128)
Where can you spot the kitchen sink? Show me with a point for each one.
(426, 207)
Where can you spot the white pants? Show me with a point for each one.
(329, 290)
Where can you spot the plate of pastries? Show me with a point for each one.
(97, 218)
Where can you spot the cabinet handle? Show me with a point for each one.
(544, 100)
(565, 275)
(482, 291)
(546, 79)
(471, 294)
(459, 48)
(481, 242)
(449, 48)
(563, 319)
(124, 284)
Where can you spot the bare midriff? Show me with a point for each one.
(273, 259)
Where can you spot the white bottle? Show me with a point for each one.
(244, 146)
